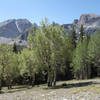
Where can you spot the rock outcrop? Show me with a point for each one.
(12, 28)
(90, 22)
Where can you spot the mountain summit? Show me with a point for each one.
(90, 22)
(16, 30)
(13, 27)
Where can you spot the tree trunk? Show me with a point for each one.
(33, 80)
(98, 71)
(49, 80)
(9, 83)
(54, 78)
(0, 85)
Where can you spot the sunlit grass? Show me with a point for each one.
(63, 89)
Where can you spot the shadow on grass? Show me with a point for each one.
(20, 87)
(71, 85)
(63, 85)
(16, 89)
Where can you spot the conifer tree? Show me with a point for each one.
(81, 34)
(73, 37)
(15, 49)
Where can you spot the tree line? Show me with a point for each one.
(52, 54)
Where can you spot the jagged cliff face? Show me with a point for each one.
(12, 31)
(15, 27)
(16, 30)
(90, 22)
(89, 19)
(12, 28)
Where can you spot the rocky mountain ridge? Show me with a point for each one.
(90, 22)
(11, 28)
(16, 30)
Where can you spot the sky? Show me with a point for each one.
(60, 11)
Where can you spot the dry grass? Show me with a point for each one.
(64, 89)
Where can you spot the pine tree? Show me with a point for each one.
(81, 34)
(73, 37)
(15, 49)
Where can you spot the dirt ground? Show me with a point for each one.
(65, 90)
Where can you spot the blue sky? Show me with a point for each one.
(61, 11)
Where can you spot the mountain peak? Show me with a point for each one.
(90, 22)
(12, 27)
(86, 18)
(92, 15)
